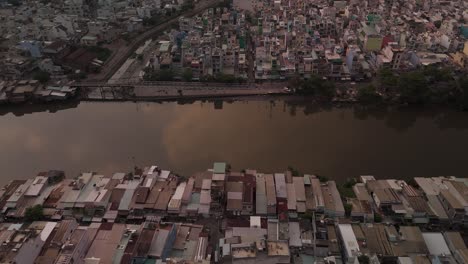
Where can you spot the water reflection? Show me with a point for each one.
(339, 142)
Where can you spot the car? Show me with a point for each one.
(286, 89)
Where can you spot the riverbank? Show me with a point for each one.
(170, 92)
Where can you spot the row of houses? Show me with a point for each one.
(95, 198)
(148, 215)
(434, 201)
(402, 244)
(32, 90)
(68, 242)
(271, 240)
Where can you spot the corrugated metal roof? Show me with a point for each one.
(205, 197)
(126, 199)
(291, 196)
(270, 189)
(299, 188)
(294, 235)
(280, 183)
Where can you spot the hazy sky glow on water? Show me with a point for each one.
(338, 143)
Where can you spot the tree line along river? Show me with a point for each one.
(337, 142)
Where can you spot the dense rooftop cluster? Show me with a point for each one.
(207, 46)
(353, 39)
(155, 216)
(254, 40)
(60, 37)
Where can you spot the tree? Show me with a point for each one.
(437, 74)
(368, 94)
(348, 208)
(159, 75)
(101, 53)
(293, 171)
(322, 178)
(377, 218)
(34, 213)
(363, 259)
(188, 5)
(463, 93)
(166, 75)
(413, 87)
(42, 76)
(387, 78)
(225, 78)
(14, 2)
(187, 75)
(318, 87)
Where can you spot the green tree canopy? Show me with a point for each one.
(187, 75)
(363, 259)
(368, 94)
(387, 78)
(42, 76)
(463, 91)
(34, 213)
(413, 87)
(348, 208)
(318, 87)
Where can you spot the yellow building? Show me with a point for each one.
(459, 58)
(465, 50)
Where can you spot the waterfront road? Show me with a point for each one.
(118, 57)
(172, 92)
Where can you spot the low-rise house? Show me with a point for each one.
(299, 190)
(271, 194)
(260, 195)
(350, 243)
(163, 241)
(385, 198)
(332, 200)
(107, 239)
(76, 247)
(234, 192)
(457, 246)
(412, 240)
(176, 200)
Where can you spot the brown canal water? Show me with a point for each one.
(269, 136)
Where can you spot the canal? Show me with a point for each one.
(267, 135)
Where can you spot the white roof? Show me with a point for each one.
(405, 260)
(349, 239)
(179, 192)
(164, 174)
(36, 187)
(436, 244)
(118, 176)
(365, 178)
(49, 227)
(255, 221)
(20, 191)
